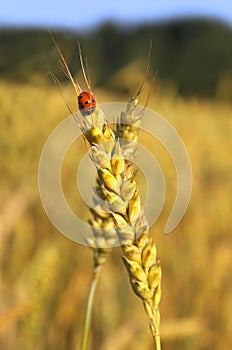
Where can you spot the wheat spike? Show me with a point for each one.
(122, 211)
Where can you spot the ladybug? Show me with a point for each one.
(86, 103)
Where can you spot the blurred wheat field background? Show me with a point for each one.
(45, 276)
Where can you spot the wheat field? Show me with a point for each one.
(45, 276)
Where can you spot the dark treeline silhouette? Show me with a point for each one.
(192, 54)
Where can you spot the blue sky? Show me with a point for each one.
(85, 14)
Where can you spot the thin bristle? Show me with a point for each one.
(87, 69)
(83, 67)
(60, 88)
(66, 69)
(146, 71)
(63, 69)
(149, 91)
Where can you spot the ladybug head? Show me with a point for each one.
(86, 103)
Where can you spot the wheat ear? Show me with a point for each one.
(122, 212)
(116, 185)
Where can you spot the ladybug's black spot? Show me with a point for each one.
(93, 100)
(80, 96)
(86, 102)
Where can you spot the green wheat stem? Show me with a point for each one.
(89, 308)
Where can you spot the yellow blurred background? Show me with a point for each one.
(45, 276)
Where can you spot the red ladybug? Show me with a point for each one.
(86, 102)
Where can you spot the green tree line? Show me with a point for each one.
(192, 54)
